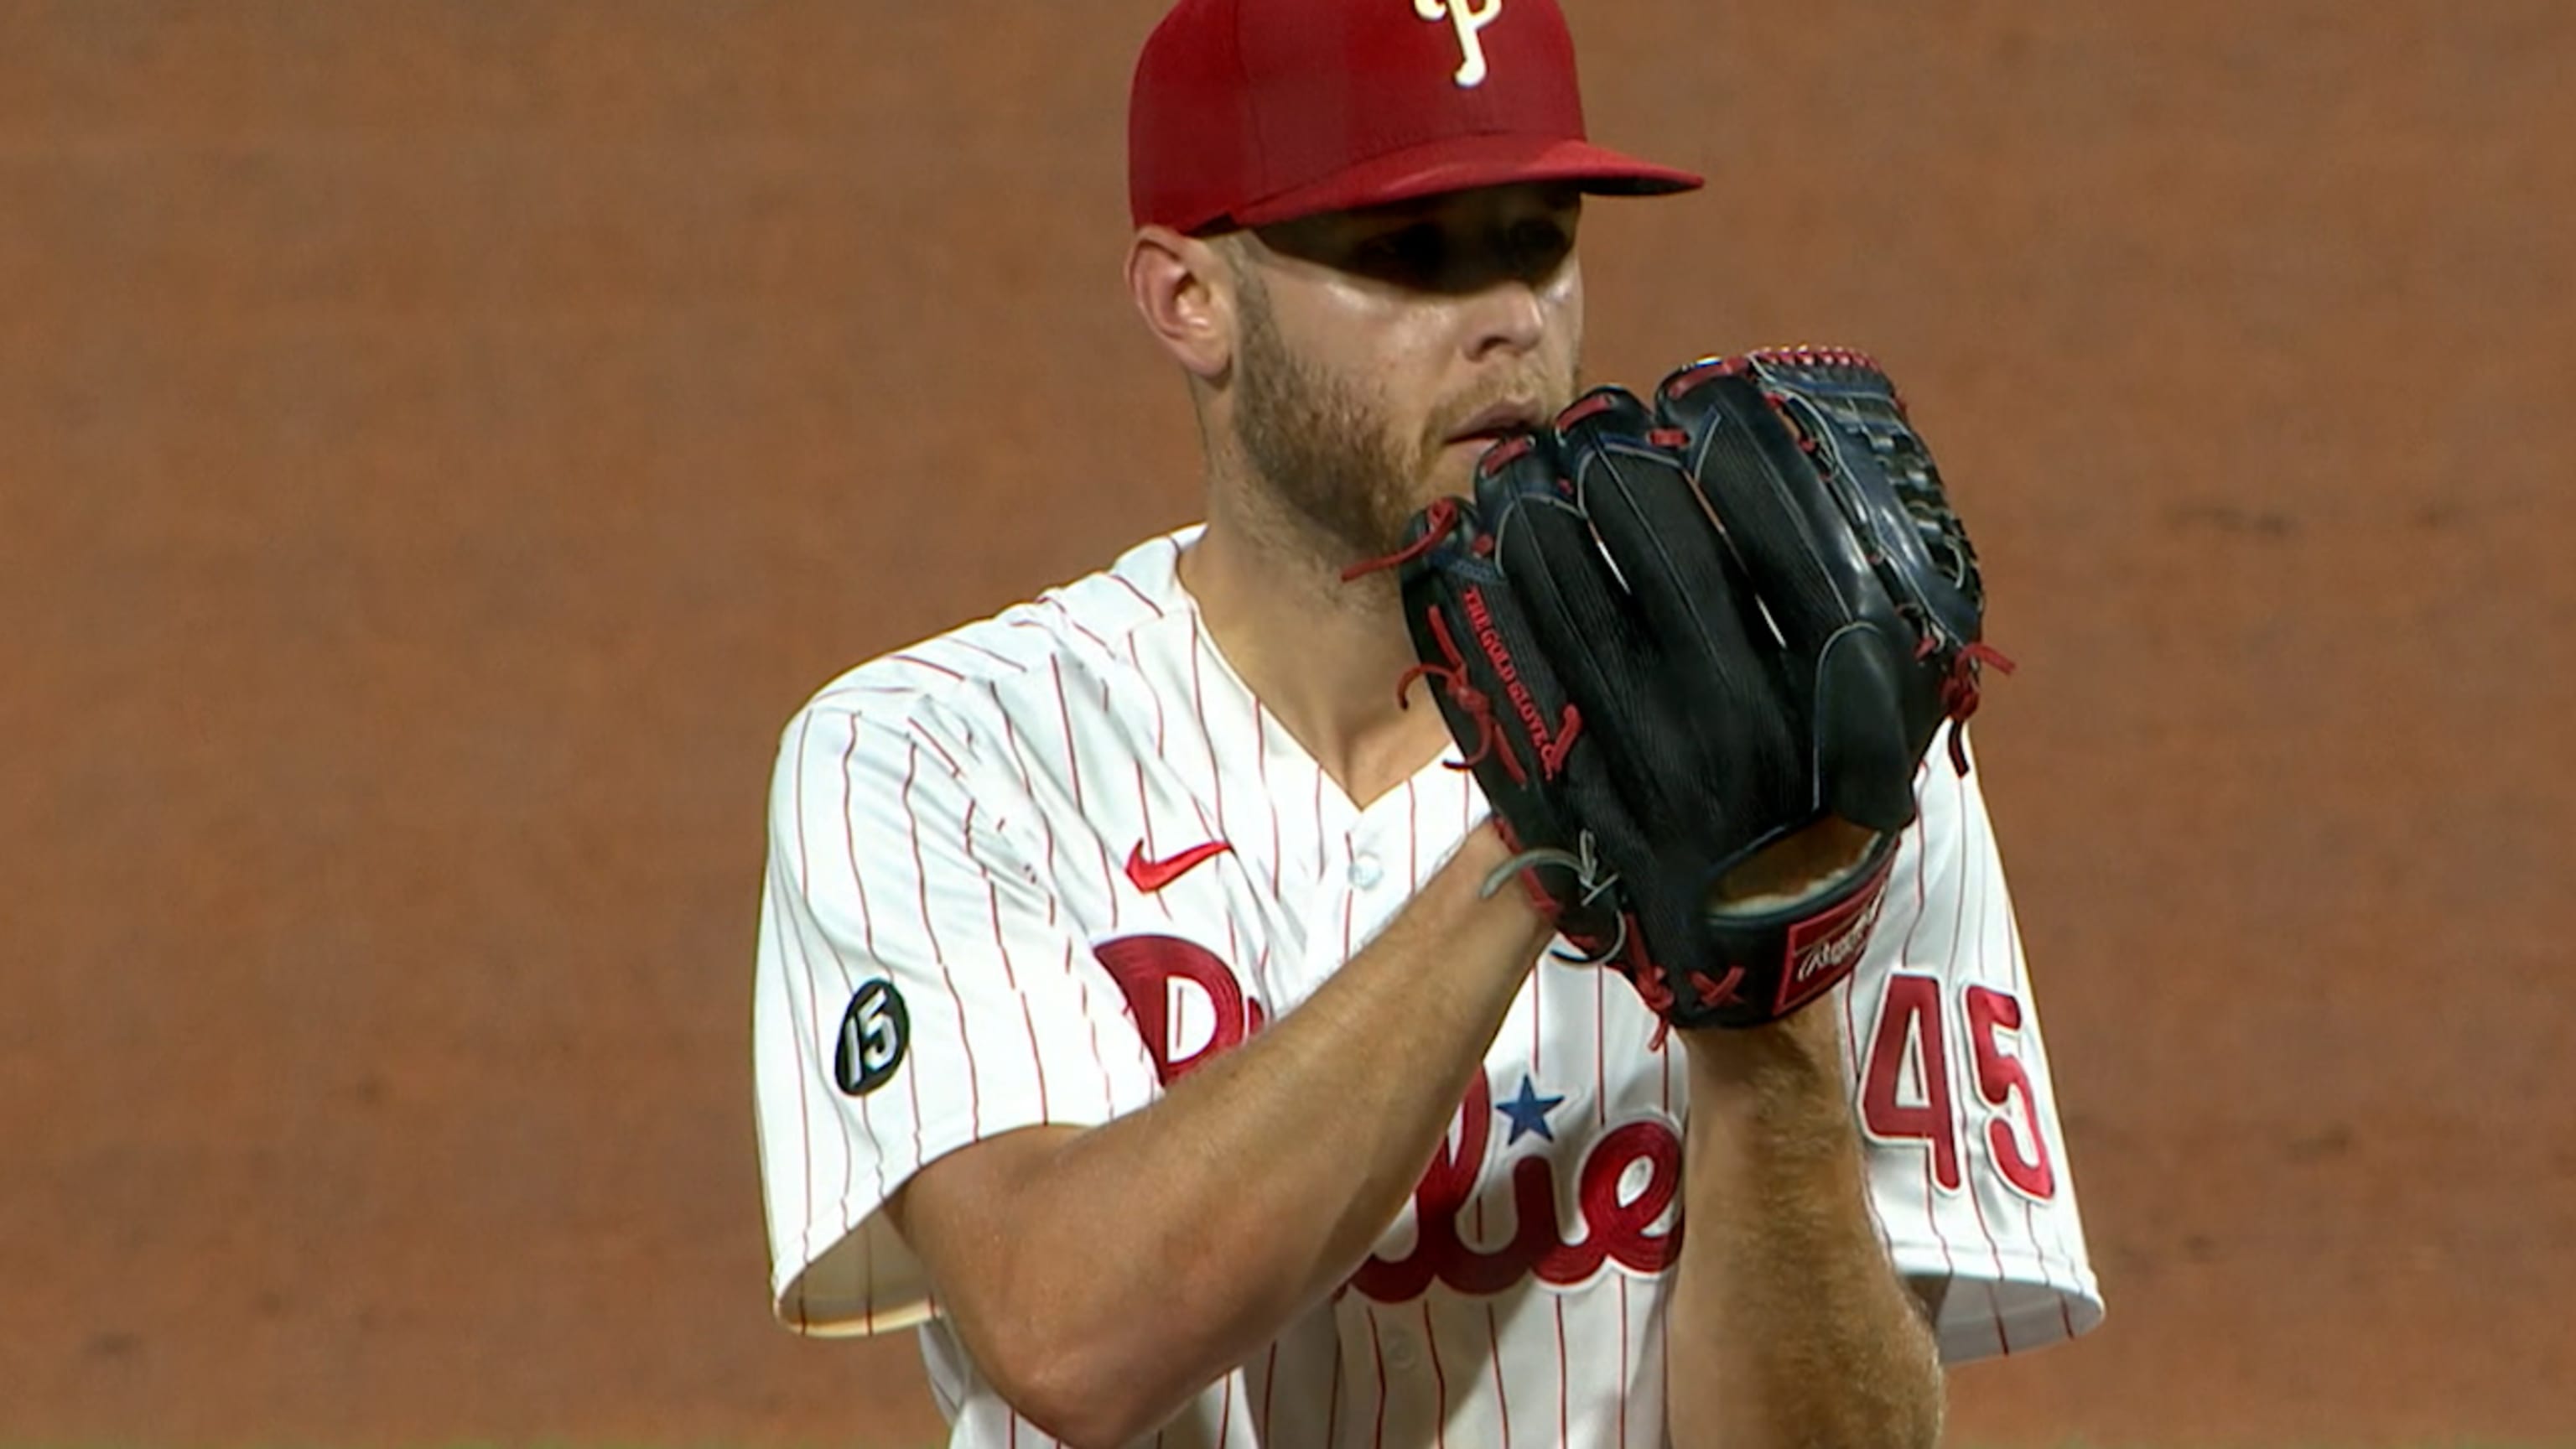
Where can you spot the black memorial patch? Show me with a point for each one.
(874, 1034)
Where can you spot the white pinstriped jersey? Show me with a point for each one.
(996, 898)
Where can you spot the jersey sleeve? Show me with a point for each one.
(918, 988)
(1967, 1163)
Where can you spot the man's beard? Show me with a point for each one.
(1321, 449)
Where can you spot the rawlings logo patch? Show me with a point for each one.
(1824, 949)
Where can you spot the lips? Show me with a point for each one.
(1497, 422)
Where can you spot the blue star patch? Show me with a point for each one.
(1528, 1112)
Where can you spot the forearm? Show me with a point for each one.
(1798, 1329)
(1154, 1253)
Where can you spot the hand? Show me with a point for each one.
(1812, 862)
(1695, 650)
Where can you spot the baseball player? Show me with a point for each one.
(1144, 1013)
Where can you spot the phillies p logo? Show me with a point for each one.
(1470, 16)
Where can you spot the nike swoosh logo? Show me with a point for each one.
(1150, 876)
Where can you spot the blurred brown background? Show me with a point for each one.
(441, 441)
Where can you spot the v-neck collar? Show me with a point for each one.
(1286, 762)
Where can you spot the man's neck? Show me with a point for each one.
(1321, 654)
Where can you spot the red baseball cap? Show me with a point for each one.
(1247, 112)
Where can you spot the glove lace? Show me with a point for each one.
(1470, 700)
(1438, 524)
(1959, 694)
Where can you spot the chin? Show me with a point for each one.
(1453, 471)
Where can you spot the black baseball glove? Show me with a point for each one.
(1695, 652)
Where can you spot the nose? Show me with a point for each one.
(1507, 317)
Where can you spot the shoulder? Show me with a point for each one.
(1011, 672)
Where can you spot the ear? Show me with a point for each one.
(1185, 293)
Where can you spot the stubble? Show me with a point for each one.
(1315, 443)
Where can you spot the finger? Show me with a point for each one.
(1577, 608)
(1816, 581)
(1583, 632)
(1780, 518)
(1668, 554)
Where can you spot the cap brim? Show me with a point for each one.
(1464, 163)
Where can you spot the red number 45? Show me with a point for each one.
(1911, 1031)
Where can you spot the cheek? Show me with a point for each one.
(1370, 357)
(1565, 331)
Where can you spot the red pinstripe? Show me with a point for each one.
(1234, 952)
(1600, 1049)
(1905, 954)
(1029, 784)
(1073, 775)
(1145, 815)
(1014, 665)
(939, 1392)
(868, 937)
(1976, 1198)
(1010, 973)
(1124, 582)
(1136, 657)
(1662, 1321)
(849, 1159)
(1046, 835)
(1091, 1019)
(2057, 1222)
(1269, 1386)
(1662, 1318)
(1494, 1348)
(850, 842)
(1064, 715)
(1537, 989)
(1626, 1373)
(930, 664)
(1378, 1439)
(2030, 1210)
(1261, 757)
(1439, 1378)
(808, 1066)
(1076, 625)
(1666, 1062)
(1207, 736)
(921, 736)
(930, 932)
(1563, 1372)
(1320, 861)
(805, 1065)
(834, 697)
(1995, 1313)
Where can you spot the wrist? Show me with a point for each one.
(1506, 902)
(1786, 1070)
